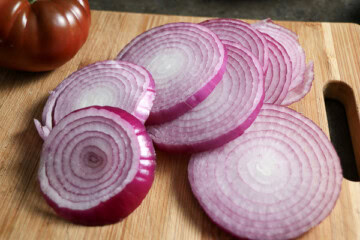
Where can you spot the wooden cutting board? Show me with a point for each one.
(169, 211)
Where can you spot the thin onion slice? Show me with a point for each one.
(290, 42)
(107, 83)
(276, 181)
(278, 74)
(224, 115)
(242, 33)
(302, 89)
(97, 165)
(186, 61)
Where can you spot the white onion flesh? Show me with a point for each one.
(186, 61)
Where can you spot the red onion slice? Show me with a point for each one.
(242, 33)
(278, 74)
(290, 42)
(224, 115)
(97, 165)
(276, 181)
(108, 83)
(186, 61)
(302, 89)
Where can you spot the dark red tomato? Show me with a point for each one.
(42, 35)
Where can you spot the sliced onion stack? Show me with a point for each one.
(301, 74)
(186, 61)
(278, 74)
(276, 181)
(108, 83)
(242, 33)
(290, 42)
(97, 165)
(224, 115)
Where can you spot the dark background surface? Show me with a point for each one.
(295, 10)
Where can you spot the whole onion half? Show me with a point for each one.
(278, 74)
(97, 165)
(108, 83)
(289, 41)
(186, 61)
(276, 181)
(224, 115)
(242, 33)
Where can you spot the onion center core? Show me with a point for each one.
(97, 96)
(167, 64)
(266, 167)
(92, 160)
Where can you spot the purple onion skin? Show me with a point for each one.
(110, 211)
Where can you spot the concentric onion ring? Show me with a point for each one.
(108, 83)
(242, 33)
(290, 42)
(97, 165)
(186, 61)
(276, 181)
(302, 75)
(224, 115)
(279, 73)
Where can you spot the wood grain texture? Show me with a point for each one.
(169, 211)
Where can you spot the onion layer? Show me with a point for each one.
(108, 83)
(276, 181)
(279, 73)
(302, 75)
(224, 115)
(242, 33)
(302, 89)
(186, 61)
(97, 165)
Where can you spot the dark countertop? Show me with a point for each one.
(295, 10)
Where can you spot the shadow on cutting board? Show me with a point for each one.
(27, 163)
(10, 79)
(340, 138)
(344, 126)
